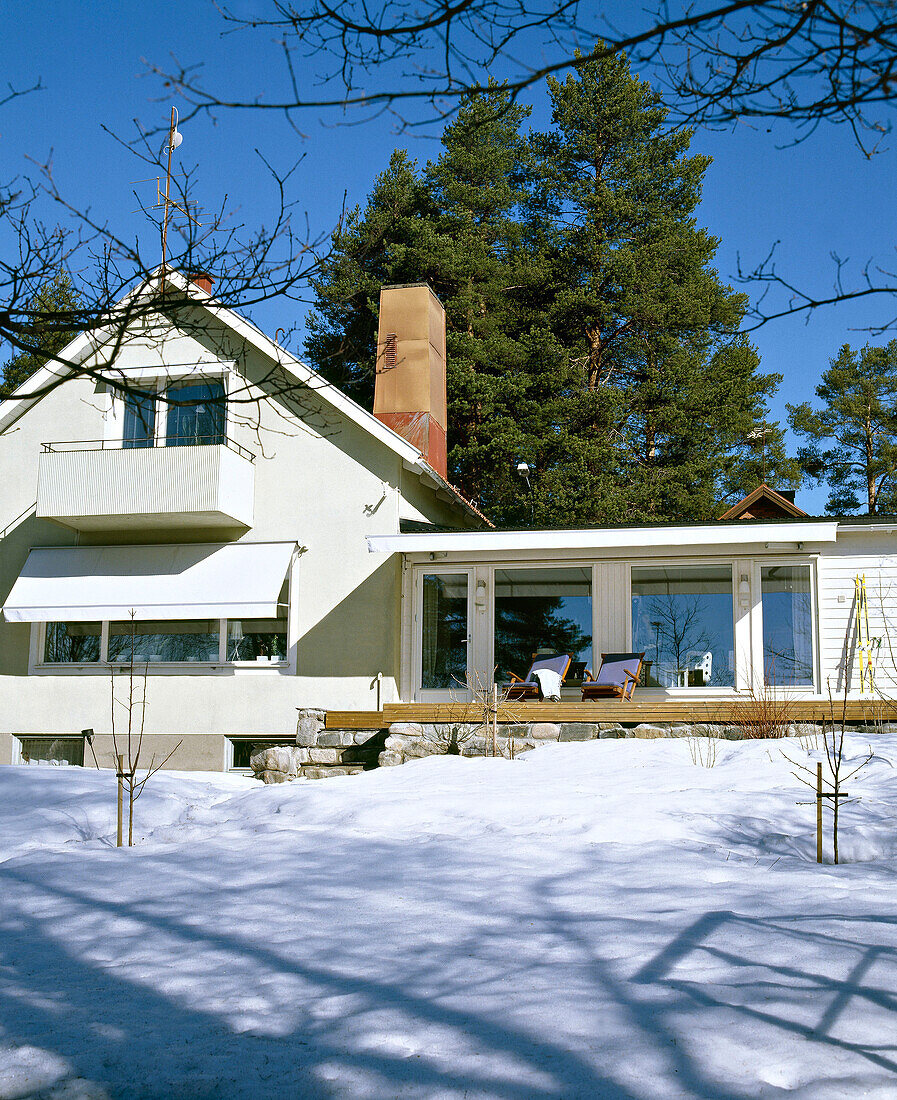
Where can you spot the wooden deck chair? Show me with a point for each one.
(527, 687)
(617, 677)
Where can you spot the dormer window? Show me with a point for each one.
(194, 415)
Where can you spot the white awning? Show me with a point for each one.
(239, 580)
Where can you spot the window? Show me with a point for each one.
(787, 625)
(140, 420)
(202, 421)
(171, 640)
(52, 750)
(72, 643)
(243, 749)
(542, 612)
(444, 631)
(199, 417)
(682, 617)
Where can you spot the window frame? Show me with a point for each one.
(439, 695)
(758, 648)
(155, 381)
(691, 563)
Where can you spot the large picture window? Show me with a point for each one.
(201, 422)
(787, 625)
(164, 641)
(542, 613)
(682, 617)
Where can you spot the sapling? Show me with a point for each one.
(834, 728)
(127, 745)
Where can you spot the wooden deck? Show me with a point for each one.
(729, 711)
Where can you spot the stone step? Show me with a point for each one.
(308, 771)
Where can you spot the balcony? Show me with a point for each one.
(99, 485)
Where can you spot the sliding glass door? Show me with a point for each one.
(442, 635)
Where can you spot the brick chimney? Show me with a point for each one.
(409, 387)
(202, 279)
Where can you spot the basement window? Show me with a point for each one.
(55, 751)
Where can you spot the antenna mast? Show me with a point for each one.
(172, 144)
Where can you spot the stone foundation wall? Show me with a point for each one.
(317, 752)
(414, 740)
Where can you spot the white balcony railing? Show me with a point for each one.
(100, 486)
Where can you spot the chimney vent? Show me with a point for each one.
(390, 351)
(409, 386)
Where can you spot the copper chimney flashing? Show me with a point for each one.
(409, 386)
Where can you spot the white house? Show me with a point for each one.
(280, 547)
(233, 529)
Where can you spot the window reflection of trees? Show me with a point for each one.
(165, 641)
(541, 611)
(679, 630)
(679, 616)
(72, 643)
(444, 631)
(787, 625)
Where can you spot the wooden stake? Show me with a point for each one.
(819, 813)
(121, 790)
(495, 719)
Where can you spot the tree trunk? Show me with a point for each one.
(596, 358)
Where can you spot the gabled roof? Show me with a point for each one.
(764, 503)
(85, 344)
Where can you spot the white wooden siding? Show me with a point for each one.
(838, 616)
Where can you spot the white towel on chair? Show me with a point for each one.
(549, 683)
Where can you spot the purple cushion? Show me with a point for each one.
(615, 672)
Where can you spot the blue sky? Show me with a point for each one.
(817, 197)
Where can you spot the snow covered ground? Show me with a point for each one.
(607, 919)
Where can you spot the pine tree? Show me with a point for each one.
(587, 331)
(454, 225)
(54, 311)
(859, 419)
(666, 384)
(389, 242)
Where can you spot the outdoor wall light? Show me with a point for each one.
(480, 597)
(744, 590)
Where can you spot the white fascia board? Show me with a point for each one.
(604, 539)
(438, 484)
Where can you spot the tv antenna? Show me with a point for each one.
(164, 201)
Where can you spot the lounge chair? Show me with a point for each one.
(527, 687)
(617, 676)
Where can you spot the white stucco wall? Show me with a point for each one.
(320, 480)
